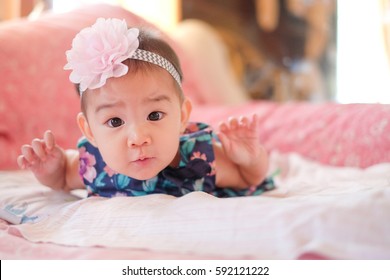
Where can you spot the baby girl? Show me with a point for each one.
(135, 120)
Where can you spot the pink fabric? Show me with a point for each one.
(355, 135)
(9, 240)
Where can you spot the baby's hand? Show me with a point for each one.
(240, 140)
(45, 159)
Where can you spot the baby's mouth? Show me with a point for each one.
(142, 159)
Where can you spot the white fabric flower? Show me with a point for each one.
(98, 52)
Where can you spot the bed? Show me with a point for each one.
(330, 163)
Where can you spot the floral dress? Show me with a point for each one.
(195, 172)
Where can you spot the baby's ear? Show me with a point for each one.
(186, 109)
(85, 128)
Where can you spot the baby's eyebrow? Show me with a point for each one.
(108, 106)
(157, 98)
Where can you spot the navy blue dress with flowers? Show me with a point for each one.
(195, 172)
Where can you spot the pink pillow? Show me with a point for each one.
(35, 92)
(356, 135)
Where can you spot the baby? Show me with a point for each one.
(135, 120)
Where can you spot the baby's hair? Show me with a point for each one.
(150, 40)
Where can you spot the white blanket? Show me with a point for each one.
(338, 213)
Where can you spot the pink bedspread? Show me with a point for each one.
(356, 135)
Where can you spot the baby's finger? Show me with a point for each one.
(254, 122)
(28, 154)
(233, 122)
(244, 121)
(22, 162)
(38, 147)
(49, 140)
(223, 126)
(224, 141)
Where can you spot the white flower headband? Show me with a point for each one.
(98, 52)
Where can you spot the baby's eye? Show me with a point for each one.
(155, 116)
(115, 122)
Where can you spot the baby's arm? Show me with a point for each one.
(241, 161)
(51, 165)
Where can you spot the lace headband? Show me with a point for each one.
(98, 51)
(157, 60)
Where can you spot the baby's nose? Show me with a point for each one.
(138, 136)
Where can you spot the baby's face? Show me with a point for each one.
(136, 121)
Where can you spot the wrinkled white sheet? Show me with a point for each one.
(339, 213)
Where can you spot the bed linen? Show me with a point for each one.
(316, 210)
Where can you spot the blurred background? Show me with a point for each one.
(316, 50)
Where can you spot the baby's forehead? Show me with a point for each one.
(141, 78)
(121, 93)
(130, 96)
